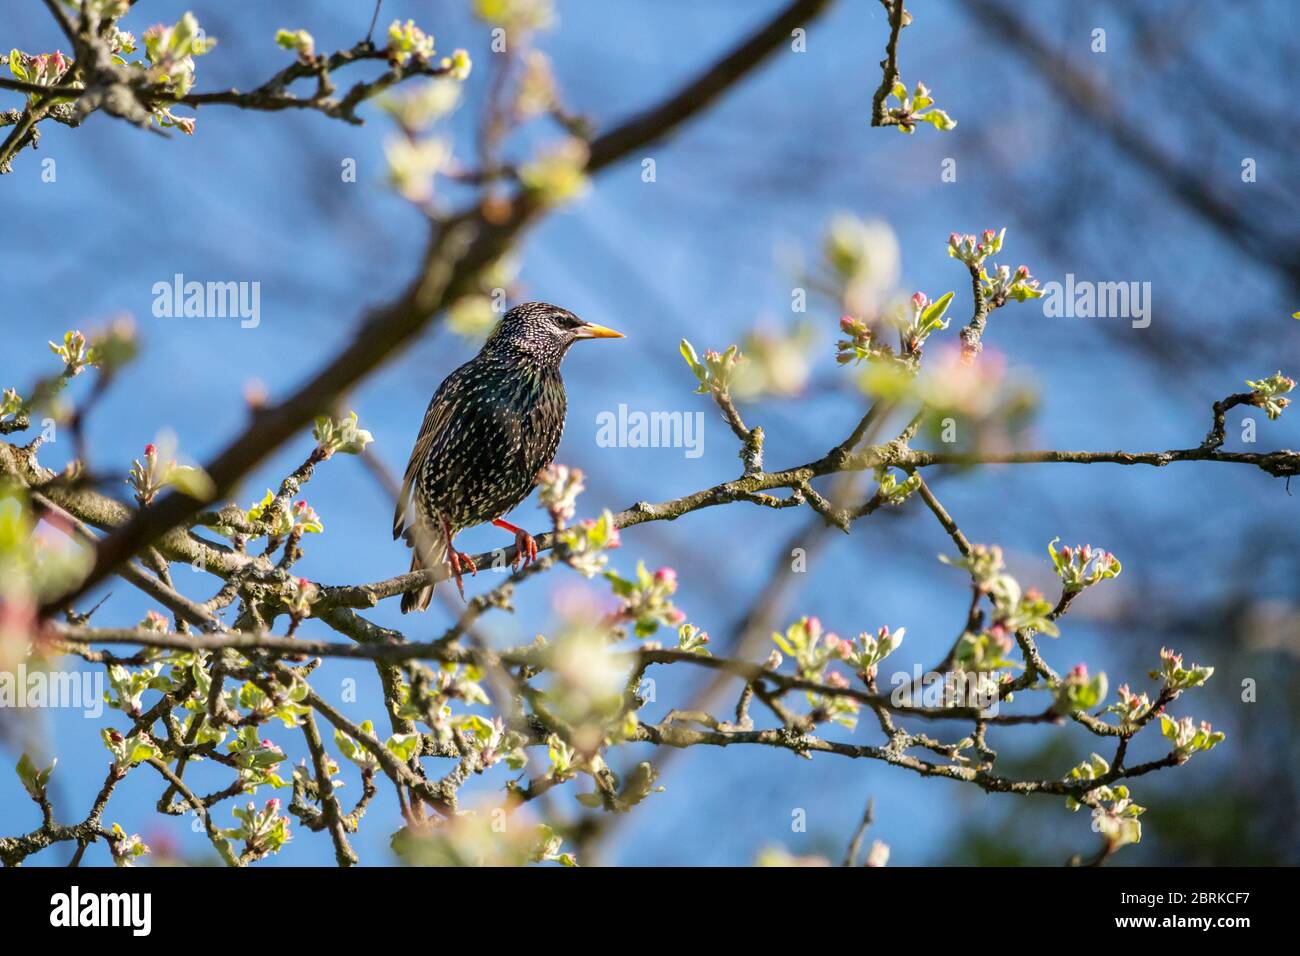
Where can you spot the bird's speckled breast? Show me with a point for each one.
(508, 418)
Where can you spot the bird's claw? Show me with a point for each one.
(458, 561)
(525, 550)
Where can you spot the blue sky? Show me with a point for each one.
(704, 252)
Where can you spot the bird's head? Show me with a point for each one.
(543, 331)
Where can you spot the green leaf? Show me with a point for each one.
(141, 751)
(693, 360)
(933, 314)
(938, 119)
(191, 481)
(34, 779)
(405, 746)
(1020, 292)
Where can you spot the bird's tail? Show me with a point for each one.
(427, 552)
(416, 600)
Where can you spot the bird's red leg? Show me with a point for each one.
(525, 543)
(456, 558)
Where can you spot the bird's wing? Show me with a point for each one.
(431, 432)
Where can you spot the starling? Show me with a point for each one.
(493, 424)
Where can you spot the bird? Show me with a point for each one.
(492, 426)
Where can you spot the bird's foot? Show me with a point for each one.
(525, 545)
(459, 561)
(525, 549)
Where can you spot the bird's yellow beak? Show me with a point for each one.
(591, 330)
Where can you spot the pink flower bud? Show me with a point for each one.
(1079, 670)
(677, 616)
(836, 679)
(848, 324)
(150, 450)
(920, 300)
(988, 235)
(954, 239)
(1022, 272)
(666, 576)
